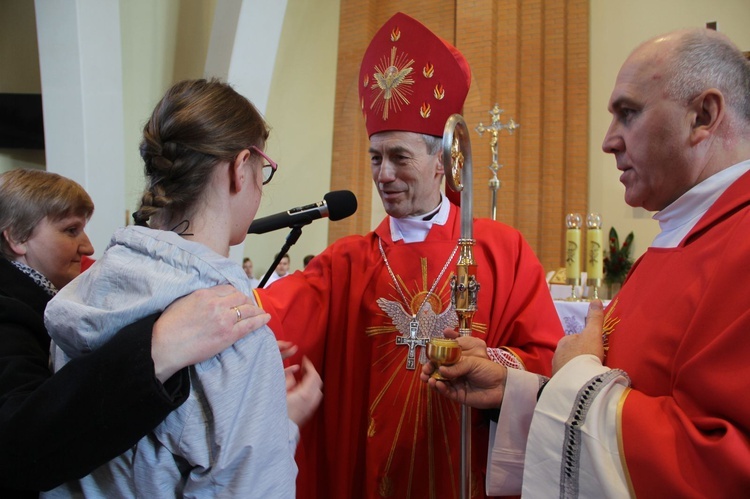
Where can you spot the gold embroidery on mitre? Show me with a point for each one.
(609, 324)
(439, 92)
(393, 82)
(428, 70)
(425, 110)
(395, 34)
(366, 81)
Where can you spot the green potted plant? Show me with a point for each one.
(617, 263)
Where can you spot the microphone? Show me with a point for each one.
(336, 205)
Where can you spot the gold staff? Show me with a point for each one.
(464, 285)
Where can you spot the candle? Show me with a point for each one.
(594, 266)
(573, 246)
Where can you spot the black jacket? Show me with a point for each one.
(59, 428)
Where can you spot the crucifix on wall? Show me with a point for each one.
(494, 129)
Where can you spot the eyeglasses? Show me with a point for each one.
(268, 169)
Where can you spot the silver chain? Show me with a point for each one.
(398, 287)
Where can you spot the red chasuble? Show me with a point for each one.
(380, 432)
(680, 328)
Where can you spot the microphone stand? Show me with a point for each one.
(290, 240)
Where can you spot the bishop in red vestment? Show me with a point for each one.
(360, 308)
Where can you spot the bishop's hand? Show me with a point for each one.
(588, 341)
(470, 345)
(474, 381)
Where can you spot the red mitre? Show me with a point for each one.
(410, 79)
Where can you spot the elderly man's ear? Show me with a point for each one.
(708, 111)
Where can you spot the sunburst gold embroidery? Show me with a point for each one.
(430, 436)
(395, 34)
(393, 83)
(386, 487)
(401, 420)
(436, 413)
(423, 296)
(439, 92)
(386, 360)
(425, 110)
(479, 327)
(366, 80)
(428, 70)
(414, 297)
(420, 410)
(447, 414)
(609, 324)
(377, 330)
(382, 393)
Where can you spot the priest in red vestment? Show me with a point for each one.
(363, 309)
(649, 401)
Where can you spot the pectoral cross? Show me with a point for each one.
(412, 341)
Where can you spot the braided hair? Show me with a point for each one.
(195, 126)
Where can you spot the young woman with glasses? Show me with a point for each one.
(205, 170)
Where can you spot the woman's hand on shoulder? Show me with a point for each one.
(200, 325)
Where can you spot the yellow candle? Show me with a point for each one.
(573, 246)
(594, 266)
(573, 253)
(594, 257)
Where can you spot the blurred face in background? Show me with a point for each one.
(247, 266)
(283, 267)
(55, 248)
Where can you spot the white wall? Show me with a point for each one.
(300, 111)
(617, 27)
(156, 38)
(80, 57)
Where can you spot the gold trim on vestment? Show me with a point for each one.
(609, 324)
(620, 443)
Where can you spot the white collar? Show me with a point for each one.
(415, 229)
(677, 219)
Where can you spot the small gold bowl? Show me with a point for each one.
(443, 352)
